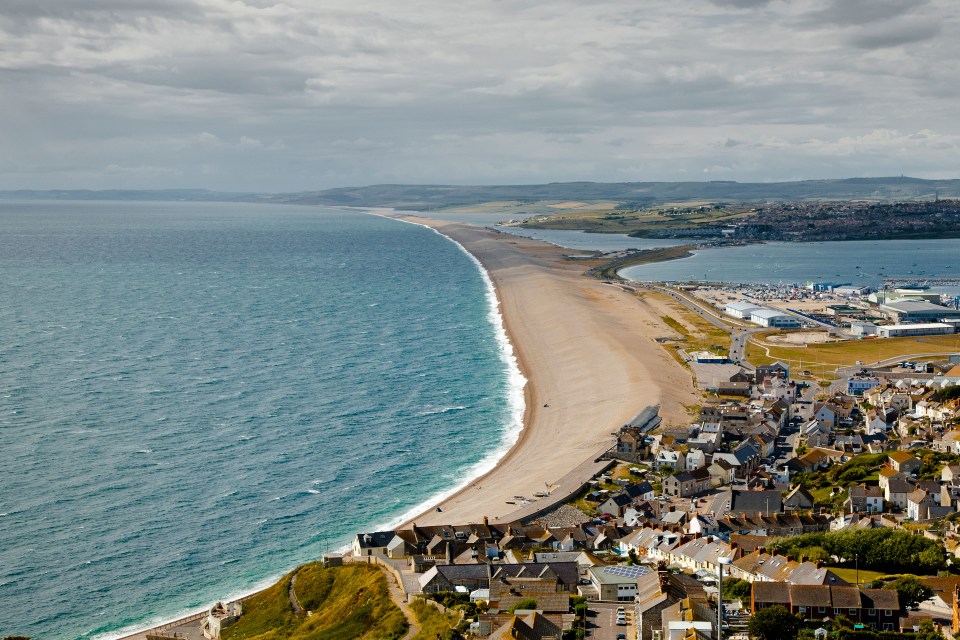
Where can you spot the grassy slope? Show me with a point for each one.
(433, 623)
(347, 602)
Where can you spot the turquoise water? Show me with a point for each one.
(195, 397)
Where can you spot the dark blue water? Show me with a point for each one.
(196, 397)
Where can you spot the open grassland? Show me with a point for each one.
(640, 223)
(698, 333)
(345, 602)
(846, 353)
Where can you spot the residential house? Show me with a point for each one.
(687, 483)
(950, 473)
(924, 505)
(702, 554)
(617, 583)
(617, 504)
(897, 492)
(776, 524)
(774, 370)
(798, 499)
(371, 544)
(478, 576)
(703, 523)
(721, 472)
(903, 462)
(886, 474)
(668, 458)
(864, 499)
(748, 503)
(695, 459)
(533, 626)
(817, 433)
(875, 608)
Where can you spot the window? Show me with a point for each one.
(888, 613)
(802, 609)
(853, 611)
(821, 609)
(836, 611)
(871, 612)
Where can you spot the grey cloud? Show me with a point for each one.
(895, 35)
(858, 12)
(742, 4)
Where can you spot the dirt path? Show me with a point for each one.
(399, 599)
(297, 609)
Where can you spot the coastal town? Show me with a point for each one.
(794, 503)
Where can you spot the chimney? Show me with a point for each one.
(486, 521)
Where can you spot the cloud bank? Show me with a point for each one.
(281, 96)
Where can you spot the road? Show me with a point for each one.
(603, 621)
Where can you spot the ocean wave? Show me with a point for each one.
(515, 383)
(433, 412)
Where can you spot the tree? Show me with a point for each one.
(774, 623)
(736, 589)
(929, 631)
(910, 591)
(525, 603)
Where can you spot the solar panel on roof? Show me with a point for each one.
(627, 571)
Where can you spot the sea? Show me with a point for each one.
(197, 397)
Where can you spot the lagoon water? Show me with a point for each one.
(194, 398)
(864, 263)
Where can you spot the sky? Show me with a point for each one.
(258, 95)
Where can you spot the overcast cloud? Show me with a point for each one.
(301, 94)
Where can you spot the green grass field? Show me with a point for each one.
(847, 353)
(849, 574)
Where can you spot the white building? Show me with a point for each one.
(773, 318)
(903, 311)
(861, 329)
(740, 310)
(925, 329)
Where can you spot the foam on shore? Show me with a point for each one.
(515, 389)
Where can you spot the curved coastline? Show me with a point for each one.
(588, 361)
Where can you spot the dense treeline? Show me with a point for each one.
(883, 549)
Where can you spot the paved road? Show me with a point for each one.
(603, 625)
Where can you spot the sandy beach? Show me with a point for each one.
(588, 353)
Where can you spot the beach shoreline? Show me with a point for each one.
(586, 375)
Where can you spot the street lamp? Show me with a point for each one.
(722, 560)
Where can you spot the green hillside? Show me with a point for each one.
(344, 603)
